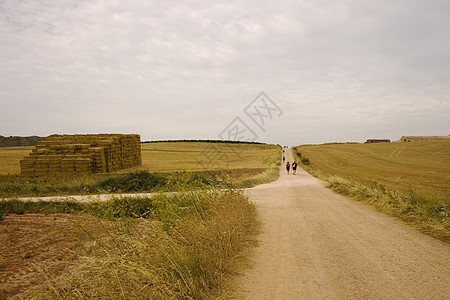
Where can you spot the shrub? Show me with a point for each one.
(139, 181)
(306, 161)
(121, 207)
(191, 180)
(296, 152)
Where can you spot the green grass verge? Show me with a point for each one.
(269, 175)
(138, 181)
(430, 215)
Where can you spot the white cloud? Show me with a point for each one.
(170, 69)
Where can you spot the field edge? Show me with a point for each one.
(427, 215)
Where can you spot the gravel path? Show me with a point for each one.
(316, 244)
(85, 198)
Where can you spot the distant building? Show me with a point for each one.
(377, 141)
(423, 138)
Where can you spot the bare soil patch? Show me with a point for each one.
(35, 246)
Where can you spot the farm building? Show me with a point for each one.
(377, 141)
(85, 154)
(423, 138)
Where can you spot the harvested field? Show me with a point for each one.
(410, 181)
(242, 162)
(175, 156)
(422, 167)
(198, 156)
(316, 244)
(10, 158)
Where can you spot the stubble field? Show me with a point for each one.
(10, 159)
(410, 181)
(220, 164)
(422, 167)
(175, 156)
(183, 245)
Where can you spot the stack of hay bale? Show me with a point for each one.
(83, 154)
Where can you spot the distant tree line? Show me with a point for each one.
(204, 141)
(14, 141)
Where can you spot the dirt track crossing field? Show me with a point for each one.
(316, 244)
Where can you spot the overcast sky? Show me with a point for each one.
(337, 70)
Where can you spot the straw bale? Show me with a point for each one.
(84, 153)
(41, 172)
(24, 164)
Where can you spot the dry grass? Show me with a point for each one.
(193, 259)
(10, 158)
(241, 164)
(420, 166)
(175, 156)
(199, 156)
(410, 181)
(270, 174)
(187, 249)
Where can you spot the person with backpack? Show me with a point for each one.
(294, 167)
(288, 167)
(284, 158)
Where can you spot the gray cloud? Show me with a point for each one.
(340, 71)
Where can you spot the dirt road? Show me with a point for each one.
(316, 244)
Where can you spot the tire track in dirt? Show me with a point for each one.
(316, 244)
